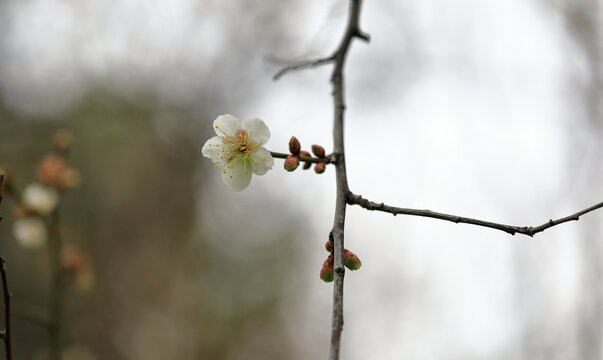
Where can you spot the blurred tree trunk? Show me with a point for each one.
(583, 21)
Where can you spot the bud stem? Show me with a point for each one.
(328, 159)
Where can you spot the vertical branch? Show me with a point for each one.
(5, 334)
(337, 232)
(57, 288)
(337, 80)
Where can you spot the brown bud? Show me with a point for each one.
(320, 168)
(62, 140)
(318, 150)
(50, 169)
(294, 146)
(350, 260)
(22, 211)
(77, 264)
(69, 178)
(291, 163)
(329, 246)
(54, 171)
(326, 272)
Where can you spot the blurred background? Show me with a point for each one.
(486, 109)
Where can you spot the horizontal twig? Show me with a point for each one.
(354, 199)
(329, 159)
(303, 64)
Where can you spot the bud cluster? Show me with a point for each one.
(39, 199)
(292, 161)
(350, 260)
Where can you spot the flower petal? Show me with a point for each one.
(40, 198)
(236, 176)
(257, 129)
(226, 125)
(30, 232)
(213, 149)
(261, 161)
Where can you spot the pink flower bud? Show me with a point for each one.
(291, 163)
(329, 246)
(350, 260)
(326, 272)
(320, 168)
(318, 150)
(307, 165)
(294, 146)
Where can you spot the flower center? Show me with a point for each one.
(240, 145)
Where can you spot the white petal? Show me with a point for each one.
(40, 198)
(236, 177)
(213, 149)
(226, 125)
(257, 130)
(261, 161)
(30, 232)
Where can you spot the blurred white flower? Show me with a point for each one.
(30, 232)
(40, 198)
(238, 149)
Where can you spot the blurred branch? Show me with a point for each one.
(1, 183)
(58, 287)
(5, 334)
(32, 315)
(329, 159)
(338, 58)
(354, 199)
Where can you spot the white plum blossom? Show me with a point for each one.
(30, 232)
(239, 150)
(40, 198)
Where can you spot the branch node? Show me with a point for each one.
(362, 35)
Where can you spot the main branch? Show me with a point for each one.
(353, 199)
(337, 80)
(352, 31)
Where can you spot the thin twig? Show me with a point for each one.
(354, 199)
(303, 64)
(6, 332)
(329, 159)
